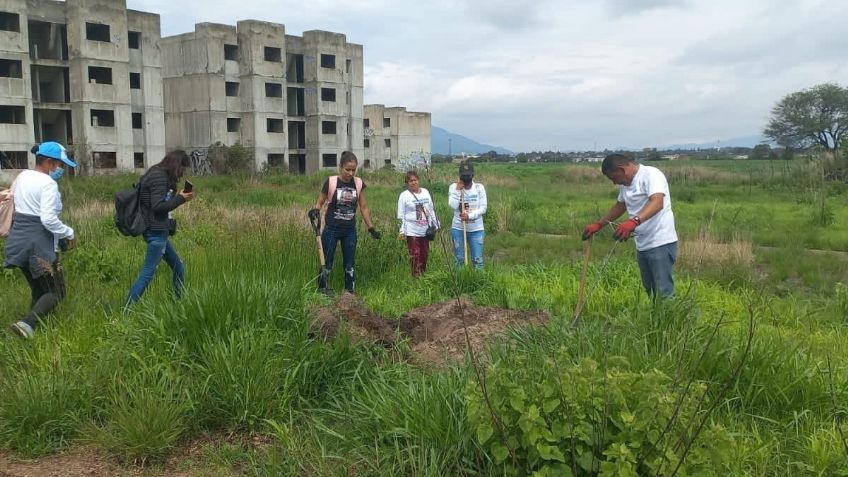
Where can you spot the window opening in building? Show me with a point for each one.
(297, 134)
(387, 162)
(347, 66)
(10, 21)
(104, 118)
(328, 127)
(367, 142)
(134, 40)
(273, 54)
(12, 115)
(388, 142)
(11, 68)
(297, 163)
(135, 80)
(328, 61)
(233, 125)
(231, 52)
(13, 160)
(275, 125)
(367, 164)
(296, 104)
(366, 123)
(294, 71)
(47, 41)
(232, 88)
(347, 97)
(105, 160)
(50, 84)
(276, 160)
(328, 94)
(274, 90)
(136, 121)
(328, 160)
(387, 122)
(138, 160)
(99, 75)
(97, 32)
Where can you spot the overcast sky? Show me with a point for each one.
(570, 74)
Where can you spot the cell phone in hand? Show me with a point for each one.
(188, 187)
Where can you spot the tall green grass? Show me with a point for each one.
(235, 356)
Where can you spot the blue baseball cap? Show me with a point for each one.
(54, 150)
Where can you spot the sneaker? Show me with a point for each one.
(23, 330)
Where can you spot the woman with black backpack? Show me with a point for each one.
(158, 197)
(418, 222)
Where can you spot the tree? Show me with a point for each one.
(762, 151)
(815, 116)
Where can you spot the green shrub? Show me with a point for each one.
(582, 420)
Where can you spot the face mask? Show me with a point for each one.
(57, 173)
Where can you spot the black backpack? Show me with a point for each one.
(128, 216)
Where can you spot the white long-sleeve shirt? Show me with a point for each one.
(37, 194)
(475, 197)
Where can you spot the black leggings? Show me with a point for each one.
(47, 291)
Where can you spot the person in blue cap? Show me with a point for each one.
(37, 233)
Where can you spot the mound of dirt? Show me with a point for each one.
(436, 333)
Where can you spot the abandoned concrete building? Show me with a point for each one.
(100, 79)
(85, 73)
(394, 135)
(295, 101)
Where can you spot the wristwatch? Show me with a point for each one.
(637, 219)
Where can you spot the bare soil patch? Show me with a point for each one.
(80, 462)
(435, 332)
(186, 460)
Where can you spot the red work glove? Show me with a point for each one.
(592, 229)
(624, 230)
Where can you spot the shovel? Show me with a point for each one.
(581, 289)
(316, 227)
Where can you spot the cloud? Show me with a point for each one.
(567, 73)
(631, 7)
(506, 14)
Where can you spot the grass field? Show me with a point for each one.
(744, 374)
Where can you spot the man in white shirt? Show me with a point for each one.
(37, 233)
(643, 194)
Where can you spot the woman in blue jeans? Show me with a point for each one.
(158, 198)
(469, 203)
(343, 194)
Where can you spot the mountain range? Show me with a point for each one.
(445, 142)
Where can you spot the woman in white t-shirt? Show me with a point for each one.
(416, 213)
(37, 234)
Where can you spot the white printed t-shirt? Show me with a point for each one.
(659, 229)
(415, 212)
(475, 198)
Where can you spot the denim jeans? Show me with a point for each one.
(329, 237)
(158, 247)
(656, 266)
(475, 247)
